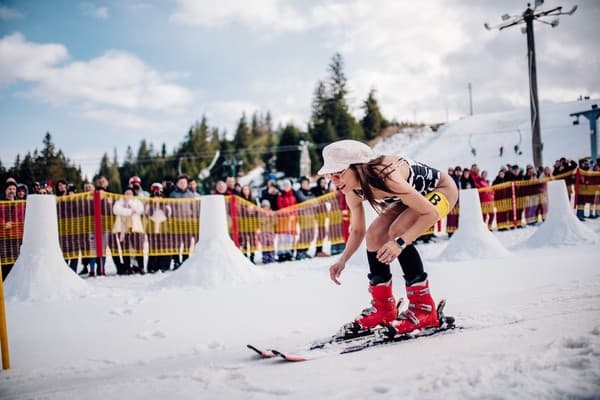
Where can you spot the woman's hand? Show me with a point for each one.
(335, 271)
(388, 252)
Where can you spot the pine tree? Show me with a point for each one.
(331, 119)
(288, 158)
(321, 115)
(373, 121)
(242, 143)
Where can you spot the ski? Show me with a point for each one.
(262, 353)
(349, 332)
(345, 341)
(290, 357)
(384, 336)
(379, 338)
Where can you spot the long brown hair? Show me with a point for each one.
(373, 174)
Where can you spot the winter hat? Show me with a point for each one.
(156, 186)
(135, 179)
(340, 155)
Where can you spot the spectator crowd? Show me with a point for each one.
(128, 210)
(277, 194)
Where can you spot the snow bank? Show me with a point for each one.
(40, 272)
(561, 226)
(472, 239)
(216, 260)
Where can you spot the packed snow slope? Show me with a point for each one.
(531, 330)
(451, 145)
(530, 323)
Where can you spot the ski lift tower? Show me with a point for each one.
(528, 16)
(592, 115)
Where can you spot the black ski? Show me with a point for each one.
(384, 336)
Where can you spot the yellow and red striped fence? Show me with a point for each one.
(88, 223)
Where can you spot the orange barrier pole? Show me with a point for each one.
(577, 178)
(3, 330)
(98, 230)
(234, 221)
(514, 204)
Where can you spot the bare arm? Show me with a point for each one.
(357, 234)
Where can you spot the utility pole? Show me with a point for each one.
(528, 16)
(592, 115)
(470, 101)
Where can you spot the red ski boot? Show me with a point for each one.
(421, 311)
(383, 307)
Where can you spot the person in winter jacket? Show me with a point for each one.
(157, 214)
(306, 219)
(466, 180)
(486, 197)
(500, 178)
(129, 231)
(183, 209)
(409, 197)
(321, 187)
(22, 191)
(287, 221)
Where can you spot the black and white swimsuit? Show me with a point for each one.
(420, 176)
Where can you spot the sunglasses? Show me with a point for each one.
(338, 174)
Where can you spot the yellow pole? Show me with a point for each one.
(3, 330)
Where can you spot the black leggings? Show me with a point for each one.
(410, 261)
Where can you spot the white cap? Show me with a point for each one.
(339, 155)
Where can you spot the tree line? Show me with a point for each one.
(254, 142)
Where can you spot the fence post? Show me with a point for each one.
(514, 203)
(345, 216)
(234, 221)
(577, 178)
(98, 230)
(3, 330)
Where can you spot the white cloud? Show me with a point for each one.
(22, 60)
(393, 46)
(116, 79)
(9, 13)
(258, 14)
(91, 10)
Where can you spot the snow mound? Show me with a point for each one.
(40, 272)
(561, 226)
(216, 261)
(472, 239)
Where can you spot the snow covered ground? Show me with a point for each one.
(530, 319)
(531, 330)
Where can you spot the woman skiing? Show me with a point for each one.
(409, 197)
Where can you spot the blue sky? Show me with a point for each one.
(103, 75)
